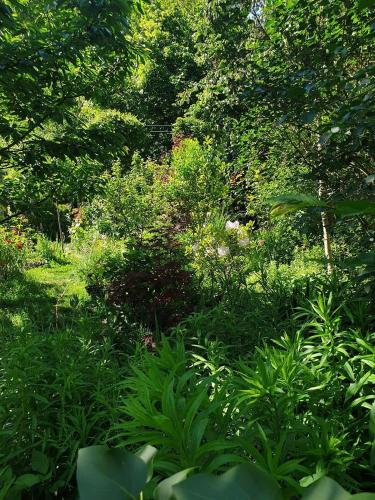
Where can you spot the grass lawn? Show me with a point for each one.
(46, 299)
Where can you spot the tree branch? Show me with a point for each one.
(21, 212)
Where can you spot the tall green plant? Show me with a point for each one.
(172, 406)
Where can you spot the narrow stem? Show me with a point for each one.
(326, 234)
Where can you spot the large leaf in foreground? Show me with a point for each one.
(243, 482)
(289, 203)
(366, 4)
(164, 490)
(112, 474)
(354, 207)
(328, 489)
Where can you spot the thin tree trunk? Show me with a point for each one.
(61, 235)
(326, 235)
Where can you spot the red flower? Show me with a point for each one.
(19, 244)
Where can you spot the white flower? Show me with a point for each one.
(243, 242)
(223, 251)
(232, 225)
(195, 247)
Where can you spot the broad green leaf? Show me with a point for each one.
(243, 482)
(290, 203)
(26, 481)
(372, 422)
(326, 489)
(39, 462)
(147, 454)
(355, 207)
(104, 473)
(164, 490)
(366, 4)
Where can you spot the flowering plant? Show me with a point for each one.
(221, 238)
(12, 251)
(218, 248)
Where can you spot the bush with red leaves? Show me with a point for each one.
(152, 283)
(159, 297)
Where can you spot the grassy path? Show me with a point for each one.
(58, 377)
(46, 299)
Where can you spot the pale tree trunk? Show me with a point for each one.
(61, 234)
(325, 227)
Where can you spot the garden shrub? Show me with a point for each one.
(196, 184)
(153, 139)
(150, 282)
(129, 203)
(217, 248)
(96, 257)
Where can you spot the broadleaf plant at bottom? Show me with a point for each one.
(116, 474)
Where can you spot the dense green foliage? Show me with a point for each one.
(187, 253)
